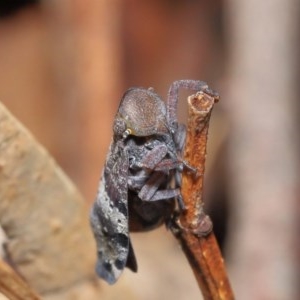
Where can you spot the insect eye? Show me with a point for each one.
(126, 133)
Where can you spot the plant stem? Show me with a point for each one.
(195, 228)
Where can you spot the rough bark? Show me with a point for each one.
(196, 238)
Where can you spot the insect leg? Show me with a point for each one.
(137, 181)
(153, 157)
(150, 191)
(151, 186)
(165, 194)
(172, 100)
(169, 164)
(155, 160)
(179, 138)
(168, 194)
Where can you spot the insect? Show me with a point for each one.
(140, 185)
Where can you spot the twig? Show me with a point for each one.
(194, 227)
(12, 286)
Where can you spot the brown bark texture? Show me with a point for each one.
(195, 236)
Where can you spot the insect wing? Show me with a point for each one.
(109, 217)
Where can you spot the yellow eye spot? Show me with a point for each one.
(126, 133)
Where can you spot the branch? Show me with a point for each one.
(195, 228)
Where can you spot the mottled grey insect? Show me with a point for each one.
(140, 185)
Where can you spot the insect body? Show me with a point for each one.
(140, 185)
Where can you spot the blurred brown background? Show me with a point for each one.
(65, 64)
